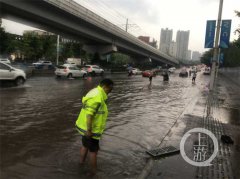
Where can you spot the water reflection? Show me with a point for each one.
(38, 139)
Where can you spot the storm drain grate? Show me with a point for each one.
(163, 151)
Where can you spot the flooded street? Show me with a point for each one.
(39, 140)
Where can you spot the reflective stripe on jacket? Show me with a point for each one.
(93, 104)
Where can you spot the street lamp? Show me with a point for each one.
(57, 50)
(216, 47)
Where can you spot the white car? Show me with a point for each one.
(5, 60)
(136, 71)
(7, 72)
(172, 69)
(39, 63)
(207, 71)
(69, 71)
(93, 69)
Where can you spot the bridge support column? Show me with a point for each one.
(101, 49)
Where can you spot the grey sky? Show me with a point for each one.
(152, 15)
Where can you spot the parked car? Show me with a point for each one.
(183, 73)
(69, 71)
(43, 64)
(5, 60)
(93, 70)
(207, 71)
(136, 71)
(148, 73)
(9, 73)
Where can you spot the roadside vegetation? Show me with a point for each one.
(231, 55)
(31, 47)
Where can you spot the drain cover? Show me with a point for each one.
(163, 151)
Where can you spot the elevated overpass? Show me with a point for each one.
(69, 19)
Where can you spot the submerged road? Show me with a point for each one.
(38, 138)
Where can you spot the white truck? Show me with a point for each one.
(75, 61)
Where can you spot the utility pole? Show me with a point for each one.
(216, 47)
(57, 50)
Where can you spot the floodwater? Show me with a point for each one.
(38, 138)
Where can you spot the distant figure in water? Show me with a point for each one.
(165, 75)
(130, 73)
(150, 79)
(194, 76)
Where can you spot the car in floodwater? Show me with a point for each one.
(183, 73)
(69, 71)
(93, 70)
(48, 63)
(148, 73)
(5, 60)
(136, 71)
(9, 73)
(207, 71)
(171, 70)
(43, 65)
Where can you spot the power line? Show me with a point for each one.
(107, 12)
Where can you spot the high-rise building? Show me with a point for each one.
(189, 55)
(196, 55)
(182, 41)
(165, 40)
(173, 49)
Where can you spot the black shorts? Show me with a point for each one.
(91, 144)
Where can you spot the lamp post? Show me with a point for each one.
(216, 47)
(57, 50)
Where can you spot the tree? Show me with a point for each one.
(206, 57)
(237, 30)
(231, 54)
(48, 43)
(4, 41)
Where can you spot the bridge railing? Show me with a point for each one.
(89, 16)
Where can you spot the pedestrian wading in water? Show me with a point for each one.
(91, 122)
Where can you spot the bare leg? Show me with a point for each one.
(93, 162)
(83, 154)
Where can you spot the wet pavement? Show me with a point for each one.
(223, 119)
(38, 138)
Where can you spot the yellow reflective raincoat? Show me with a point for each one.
(94, 103)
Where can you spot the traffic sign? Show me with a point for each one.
(210, 34)
(225, 33)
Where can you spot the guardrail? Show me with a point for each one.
(86, 14)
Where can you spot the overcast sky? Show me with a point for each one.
(152, 15)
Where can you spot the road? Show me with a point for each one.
(38, 138)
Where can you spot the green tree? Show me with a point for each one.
(4, 41)
(231, 54)
(206, 57)
(119, 59)
(48, 43)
